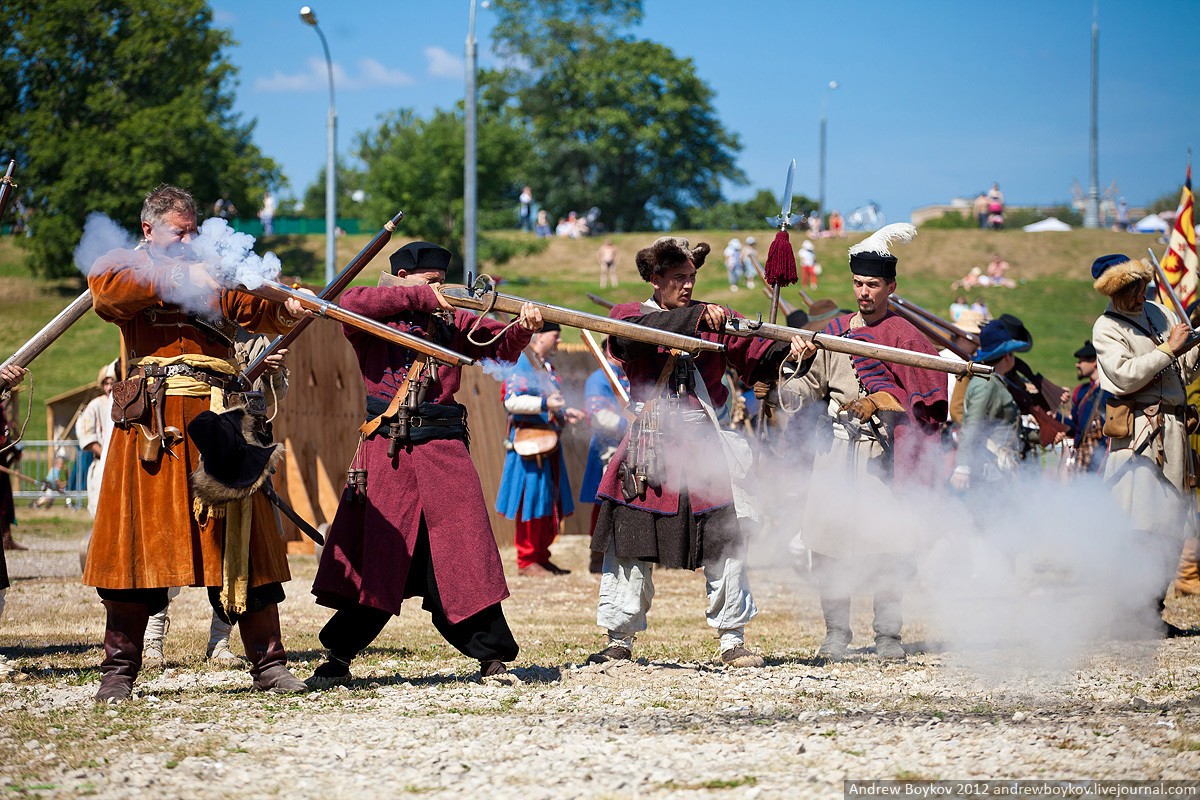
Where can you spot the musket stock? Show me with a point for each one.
(609, 373)
(740, 326)
(46, 336)
(330, 292)
(480, 299)
(278, 293)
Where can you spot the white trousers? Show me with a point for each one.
(627, 590)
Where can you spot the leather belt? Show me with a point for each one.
(204, 376)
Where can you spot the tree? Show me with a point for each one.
(349, 181)
(544, 32)
(104, 100)
(630, 128)
(416, 165)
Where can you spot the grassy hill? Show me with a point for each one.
(1055, 298)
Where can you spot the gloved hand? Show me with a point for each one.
(762, 389)
(861, 409)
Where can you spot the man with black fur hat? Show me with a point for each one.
(535, 489)
(1087, 412)
(667, 497)
(886, 421)
(153, 530)
(412, 522)
(1140, 352)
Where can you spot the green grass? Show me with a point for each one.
(1056, 300)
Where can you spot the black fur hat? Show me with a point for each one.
(232, 463)
(669, 252)
(420, 255)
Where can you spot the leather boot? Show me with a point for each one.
(889, 620)
(9, 544)
(837, 628)
(264, 648)
(124, 632)
(1187, 576)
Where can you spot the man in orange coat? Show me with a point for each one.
(152, 530)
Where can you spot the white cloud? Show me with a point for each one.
(444, 65)
(371, 74)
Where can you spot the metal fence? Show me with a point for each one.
(40, 462)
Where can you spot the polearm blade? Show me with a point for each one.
(488, 300)
(330, 292)
(786, 218)
(278, 293)
(739, 326)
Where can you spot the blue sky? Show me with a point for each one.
(934, 99)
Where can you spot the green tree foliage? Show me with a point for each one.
(415, 165)
(616, 123)
(105, 100)
(349, 181)
(744, 215)
(1169, 201)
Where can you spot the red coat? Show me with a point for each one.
(370, 545)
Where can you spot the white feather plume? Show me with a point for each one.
(880, 241)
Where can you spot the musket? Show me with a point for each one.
(600, 301)
(806, 298)
(6, 187)
(55, 328)
(908, 305)
(1166, 288)
(609, 373)
(278, 293)
(787, 307)
(932, 334)
(484, 298)
(740, 326)
(330, 292)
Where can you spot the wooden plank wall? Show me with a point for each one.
(325, 405)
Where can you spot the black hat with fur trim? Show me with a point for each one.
(669, 252)
(233, 464)
(420, 255)
(1114, 272)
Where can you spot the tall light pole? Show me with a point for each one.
(470, 167)
(1091, 211)
(824, 102)
(310, 18)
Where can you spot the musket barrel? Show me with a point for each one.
(930, 317)
(53, 329)
(277, 292)
(330, 292)
(931, 333)
(462, 297)
(739, 326)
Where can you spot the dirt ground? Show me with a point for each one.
(672, 724)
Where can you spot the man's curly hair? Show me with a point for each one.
(669, 252)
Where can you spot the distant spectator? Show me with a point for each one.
(806, 258)
(562, 228)
(224, 209)
(526, 200)
(733, 263)
(837, 225)
(997, 274)
(995, 200)
(980, 209)
(750, 265)
(608, 256)
(958, 307)
(579, 226)
(267, 214)
(814, 224)
(56, 483)
(982, 307)
(542, 229)
(1122, 223)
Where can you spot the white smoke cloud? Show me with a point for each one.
(231, 256)
(442, 64)
(100, 234)
(371, 74)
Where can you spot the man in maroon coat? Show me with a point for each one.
(419, 526)
(667, 499)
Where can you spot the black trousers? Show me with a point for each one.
(257, 598)
(484, 636)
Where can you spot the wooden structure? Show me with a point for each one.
(318, 424)
(63, 410)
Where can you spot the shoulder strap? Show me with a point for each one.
(369, 427)
(1154, 337)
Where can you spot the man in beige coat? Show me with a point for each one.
(1141, 359)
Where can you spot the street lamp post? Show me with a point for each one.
(310, 18)
(1091, 209)
(470, 171)
(821, 197)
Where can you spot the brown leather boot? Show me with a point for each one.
(124, 633)
(1187, 577)
(264, 648)
(9, 544)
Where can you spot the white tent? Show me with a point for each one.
(1151, 224)
(1048, 224)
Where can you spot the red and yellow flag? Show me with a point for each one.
(1180, 264)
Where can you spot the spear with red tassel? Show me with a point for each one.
(780, 269)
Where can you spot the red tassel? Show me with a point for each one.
(780, 269)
